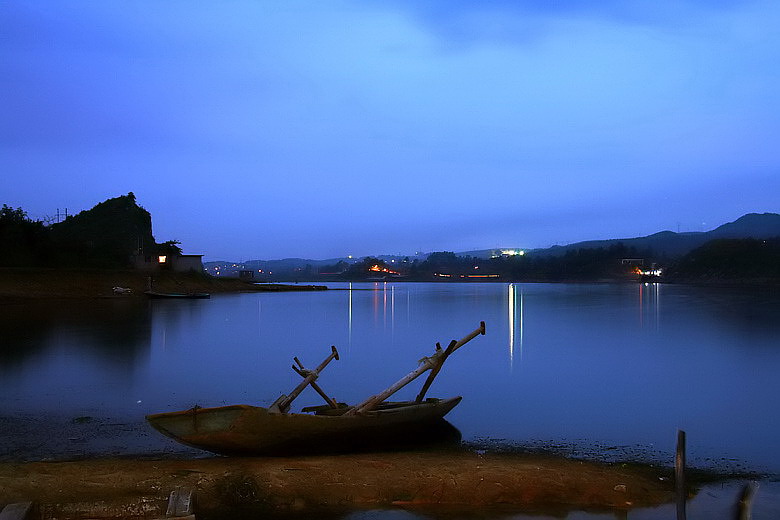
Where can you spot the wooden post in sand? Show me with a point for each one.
(679, 475)
(745, 503)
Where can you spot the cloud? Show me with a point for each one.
(385, 116)
(467, 22)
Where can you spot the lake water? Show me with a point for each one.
(597, 370)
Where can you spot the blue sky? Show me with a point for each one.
(254, 129)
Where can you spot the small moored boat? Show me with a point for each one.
(157, 295)
(254, 430)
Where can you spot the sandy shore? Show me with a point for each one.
(330, 485)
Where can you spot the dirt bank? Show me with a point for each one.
(73, 283)
(234, 487)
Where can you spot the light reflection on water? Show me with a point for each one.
(592, 369)
(589, 368)
(515, 321)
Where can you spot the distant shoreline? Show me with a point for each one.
(37, 283)
(725, 282)
(20, 284)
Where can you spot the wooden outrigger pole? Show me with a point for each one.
(305, 373)
(432, 363)
(282, 404)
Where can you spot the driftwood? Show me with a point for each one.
(282, 404)
(432, 363)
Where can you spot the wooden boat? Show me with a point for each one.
(154, 294)
(253, 430)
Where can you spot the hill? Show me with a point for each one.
(106, 235)
(730, 260)
(670, 245)
(752, 225)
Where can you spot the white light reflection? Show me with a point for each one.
(392, 308)
(656, 295)
(522, 322)
(515, 319)
(511, 320)
(376, 302)
(350, 314)
(650, 304)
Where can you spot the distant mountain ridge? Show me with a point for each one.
(672, 245)
(664, 244)
(752, 225)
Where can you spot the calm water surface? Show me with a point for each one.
(610, 371)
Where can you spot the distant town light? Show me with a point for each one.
(512, 252)
(378, 268)
(655, 271)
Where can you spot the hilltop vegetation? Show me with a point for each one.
(89, 254)
(23, 241)
(730, 259)
(105, 236)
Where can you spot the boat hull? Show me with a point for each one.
(252, 430)
(190, 296)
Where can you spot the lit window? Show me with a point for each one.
(162, 259)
